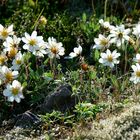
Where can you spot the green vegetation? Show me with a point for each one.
(91, 45)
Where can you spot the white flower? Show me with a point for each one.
(16, 63)
(5, 32)
(7, 74)
(11, 42)
(109, 59)
(101, 42)
(136, 74)
(33, 42)
(42, 50)
(136, 30)
(119, 35)
(11, 45)
(14, 91)
(54, 49)
(106, 25)
(77, 51)
(137, 58)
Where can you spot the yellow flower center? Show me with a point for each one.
(13, 51)
(4, 33)
(9, 76)
(138, 74)
(120, 35)
(104, 42)
(15, 91)
(110, 58)
(54, 50)
(2, 59)
(18, 61)
(32, 42)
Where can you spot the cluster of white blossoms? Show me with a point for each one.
(118, 37)
(39, 47)
(11, 52)
(8, 75)
(112, 36)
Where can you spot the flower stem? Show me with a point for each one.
(125, 66)
(53, 67)
(105, 9)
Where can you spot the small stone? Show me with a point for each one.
(27, 120)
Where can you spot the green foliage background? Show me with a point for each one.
(70, 22)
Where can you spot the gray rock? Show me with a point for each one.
(27, 120)
(62, 100)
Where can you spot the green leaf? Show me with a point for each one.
(96, 55)
(114, 81)
(48, 76)
(24, 84)
(84, 17)
(93, 74)
(46, 61)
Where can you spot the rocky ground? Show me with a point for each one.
(119, 121)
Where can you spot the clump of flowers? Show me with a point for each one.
(111, 47)
(9, 74)
(12, 58)
(118, 37)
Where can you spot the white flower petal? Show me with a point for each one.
(11, 98)
(34, 35)
(6, 93)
